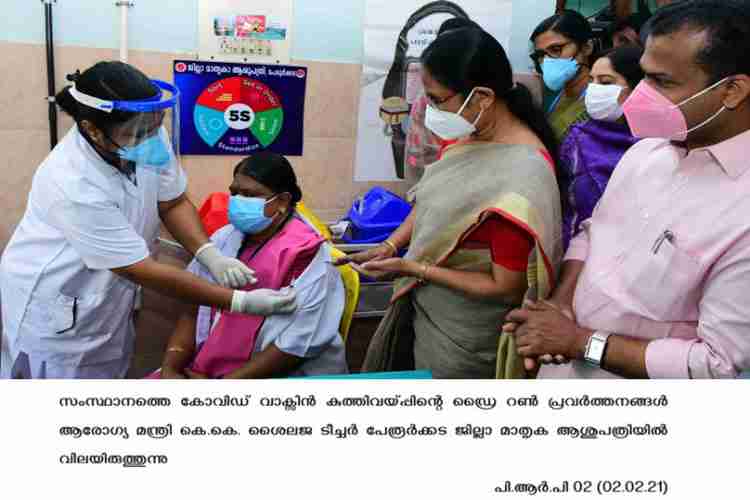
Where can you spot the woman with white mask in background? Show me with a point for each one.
(485, 229)
(593, 149)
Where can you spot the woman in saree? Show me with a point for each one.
(285, 251)
(423, 147)
(485, 228)
(593, 149)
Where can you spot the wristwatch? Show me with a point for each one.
(596, 348)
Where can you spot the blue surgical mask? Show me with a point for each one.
(151, 151)
(248, 214)
(558, 72)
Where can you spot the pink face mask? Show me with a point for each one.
(650, 114)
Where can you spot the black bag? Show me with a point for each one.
(395, 106)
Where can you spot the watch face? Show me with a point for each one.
(595, 349)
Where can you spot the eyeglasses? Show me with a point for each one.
(553, 51)
(438, 102)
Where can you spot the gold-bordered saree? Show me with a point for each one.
(430, 327)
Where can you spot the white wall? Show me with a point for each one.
(325, 30)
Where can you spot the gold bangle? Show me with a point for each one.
(392, 246)
(423, 272)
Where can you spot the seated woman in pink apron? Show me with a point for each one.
(285, 252)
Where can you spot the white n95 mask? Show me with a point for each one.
(450, 126)
(602, 102)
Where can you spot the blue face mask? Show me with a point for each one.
(248, 214)
(558, 72)
(151, 151)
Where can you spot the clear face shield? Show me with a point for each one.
(149, 140)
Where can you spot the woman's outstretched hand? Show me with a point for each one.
(380, 252)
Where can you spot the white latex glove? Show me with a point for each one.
(264, 302)
(228, 272)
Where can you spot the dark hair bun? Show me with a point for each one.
(296, 193)
(108, 80)
(72, 77)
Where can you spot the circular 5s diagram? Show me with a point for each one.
(238, 112)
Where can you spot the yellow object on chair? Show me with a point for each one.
(350, 277)
(313, 220)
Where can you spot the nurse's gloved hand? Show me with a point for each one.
(228, 272)
(264, 302)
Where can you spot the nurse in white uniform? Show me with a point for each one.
(71, 274)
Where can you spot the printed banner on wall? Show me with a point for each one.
(236, 109)
(396, 33)
(241, 31)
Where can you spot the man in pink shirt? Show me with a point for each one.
(659, 280)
